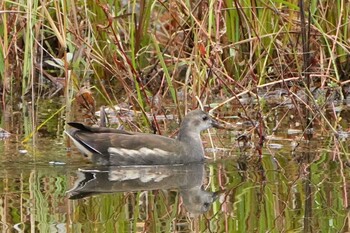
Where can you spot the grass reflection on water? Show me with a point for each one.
(267, 196)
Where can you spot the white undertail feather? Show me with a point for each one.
(80, 147)
(137, 152)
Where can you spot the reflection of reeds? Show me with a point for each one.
(32, 200)
(260, 198)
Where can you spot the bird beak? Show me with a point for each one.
(216, 124)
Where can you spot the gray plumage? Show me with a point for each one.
(118, 147)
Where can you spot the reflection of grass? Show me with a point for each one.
(31, 199)
(260, 199)
(127, 212)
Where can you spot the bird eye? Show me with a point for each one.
(205, 118)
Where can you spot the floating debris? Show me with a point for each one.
(125, 113)
(57, 163)
(275, 146)
(23, 151)
(4, 134)
(294, 131)
(342, 134)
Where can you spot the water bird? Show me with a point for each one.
(107, 146)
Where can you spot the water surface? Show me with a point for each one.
(294, 185)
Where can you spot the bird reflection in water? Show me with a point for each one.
(187, 179)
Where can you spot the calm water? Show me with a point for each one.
(46, 188)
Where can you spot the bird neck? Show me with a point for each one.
(191, 140)
(186, 134)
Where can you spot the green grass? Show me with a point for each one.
(113, 44)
